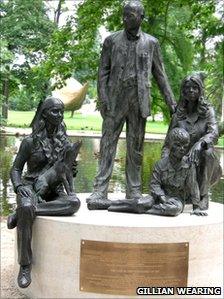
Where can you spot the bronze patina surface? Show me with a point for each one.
(119, 268)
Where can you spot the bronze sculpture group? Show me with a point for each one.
(183, 175)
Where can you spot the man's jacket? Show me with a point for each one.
(148, 62)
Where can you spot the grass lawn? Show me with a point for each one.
(81, 122)
(221, 141)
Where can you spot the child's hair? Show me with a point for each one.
(179, 134)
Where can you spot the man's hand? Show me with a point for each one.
(24, 191)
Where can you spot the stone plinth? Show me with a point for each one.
(56, 246)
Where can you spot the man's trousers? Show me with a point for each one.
(126, 111)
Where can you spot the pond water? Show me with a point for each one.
(87, 168)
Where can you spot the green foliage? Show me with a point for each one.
(6, 59)
(6, 159)
(92, 90)
(184, 28)
(208, 46)
(26, 27)
(25, 32)
(152, 154)
(221, 142)
(23, 101)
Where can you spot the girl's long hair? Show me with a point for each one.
(39, 133)
(203, 105)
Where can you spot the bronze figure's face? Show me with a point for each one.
(180, 147)
(55, 115)
(132, 17)
(179, 142)
(191, 91)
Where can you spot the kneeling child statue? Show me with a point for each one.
(173, 183)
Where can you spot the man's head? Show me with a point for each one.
(179, 141)
(133, 14)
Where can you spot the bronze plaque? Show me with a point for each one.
(119, 268)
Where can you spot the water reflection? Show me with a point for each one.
(7, 151)
(87, 168)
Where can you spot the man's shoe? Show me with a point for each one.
(134, 195)
(96, 196)
(24, 277)
(99, 204)
(204, 202)
(12, 221)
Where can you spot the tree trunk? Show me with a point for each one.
(5, 103)
(222, 113)
(58, 12)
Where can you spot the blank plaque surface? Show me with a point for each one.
(119, 268)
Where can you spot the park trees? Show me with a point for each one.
(189, 31)
(25, 34)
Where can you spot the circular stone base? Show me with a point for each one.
(56, 246)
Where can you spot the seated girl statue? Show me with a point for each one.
(50, 160)
(173, 183)
(197, 117)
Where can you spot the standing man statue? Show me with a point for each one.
(128, 59)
